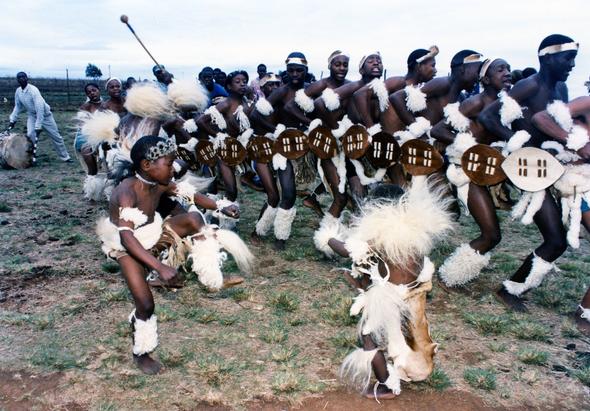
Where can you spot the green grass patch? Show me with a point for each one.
(275, 334)
(487, 324)
(336, 311)
(4, 207)
(110, 267)
(569, 330)
(283, 354)
(238, 294)
(286, 383)
(165, 314)
(532, 356)
(480, 378)
(438, 380)
(528, 330)
(201, 315)
(583, 375)
(214, 369)
(284, 302)
(176, 358)
(55, 356)
(497, 347)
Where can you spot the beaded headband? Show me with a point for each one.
(161, 149)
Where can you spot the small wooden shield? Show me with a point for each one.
(420, 158)
(355, 142)
(322, 143)
(291, 143)
(260, 149)
(232, 152)
(206, 153)
(532, 169)
(481, 163)
(190, 158)
(384, 150)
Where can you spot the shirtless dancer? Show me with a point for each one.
(460, 130)
(302, 107)
(556, 57)
(272, 117)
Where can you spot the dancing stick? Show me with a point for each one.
(125, 20)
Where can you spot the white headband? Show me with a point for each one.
(362, 62)
(558, 48)
(335, 54)
(106, 85)
(432, 52)
(486, 64)
(296, 60)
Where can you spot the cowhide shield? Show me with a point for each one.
(16, 151)
(532, 169)
(206, 153)
(232, 152)
(291, 143)
(482, 164)
(420, 158)
(189, 157)
(260, 149)
(355, 142)
(322, 143)
(384, 150)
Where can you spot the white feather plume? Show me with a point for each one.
(233, 244)
(149, 101)
(188, 95)
(99, 127)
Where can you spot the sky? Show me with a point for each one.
(44, 37)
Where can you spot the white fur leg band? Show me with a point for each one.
(415, 99)
(463, 265)
(283, 222)
(145, 334)
(266, 220)
(303, 101)
(393, 380)
(330, 227)
(94, 187)
(540, 268)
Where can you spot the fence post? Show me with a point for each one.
(68, 85)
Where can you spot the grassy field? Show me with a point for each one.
(272, 343)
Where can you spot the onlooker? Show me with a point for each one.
(255, 83)
(216, 92)
(516, 75)
(27, 97)
(529, 71)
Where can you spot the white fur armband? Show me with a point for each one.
(216, 117)
(190, 126)
(219, 140)
(517, 140)
(278, 130)
(343, 126)
(378, 87)
(455, 118)
(561, 114)
(510, 110)
(358, 250)
(245, 137)
(331, 99)
(415, 99)
(374, 129)
(330, 227)
(316, 122)
(402, 136)
(133, 215)
(223, 203)
(185, 191)
(577, 138)
(190, 145)
(419, 127)
(264, 107)
(303, 101)
(462, 143)
(242, 118)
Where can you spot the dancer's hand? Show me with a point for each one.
(167, 273)
(231, 211)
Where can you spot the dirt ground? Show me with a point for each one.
(274, 343)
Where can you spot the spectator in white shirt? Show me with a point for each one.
(27, 97)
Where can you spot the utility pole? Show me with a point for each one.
(68, 85)
(109, 71)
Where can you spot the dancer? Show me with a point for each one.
(137, 236)
(460, 130)
(557, 54)
(389, 245)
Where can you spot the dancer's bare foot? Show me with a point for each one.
(511, 302)
(313, 203)
(255, 238)
(581, 323)
(382, 393)
(147, 364)
(232, 282)
(280, 245)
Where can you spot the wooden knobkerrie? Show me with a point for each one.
(482, 164)
(322, 143)
(232, 152)
(384, 150)
(291, 143)
(260, 149)
(206, 153)
(355, 142)
(532, 169)
(189, 157)
(420, 158)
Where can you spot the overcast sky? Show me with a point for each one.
(43, 37)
